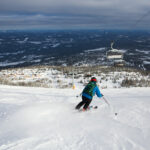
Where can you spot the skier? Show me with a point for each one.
(87, 94)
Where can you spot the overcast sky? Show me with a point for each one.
(74, 14)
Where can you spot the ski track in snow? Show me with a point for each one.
(45, 119)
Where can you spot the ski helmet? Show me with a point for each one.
(94, 79)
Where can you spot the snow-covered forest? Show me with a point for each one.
(64, 77)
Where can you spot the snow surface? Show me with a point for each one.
(4, 64)
(146, 62)
(45, 119)
(97, 49)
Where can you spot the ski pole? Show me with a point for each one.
(106, 101)
(109, 105)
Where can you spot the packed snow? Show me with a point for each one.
(45, 119)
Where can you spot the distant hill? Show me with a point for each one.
(64, 48)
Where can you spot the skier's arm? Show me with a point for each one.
(80, 94)
(98, 93)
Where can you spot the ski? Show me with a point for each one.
(89, 108)
(93, 107)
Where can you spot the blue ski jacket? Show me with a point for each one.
(95, 90)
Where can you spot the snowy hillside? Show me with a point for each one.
(61, 77)
(45, 119)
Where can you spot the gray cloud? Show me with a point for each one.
(74, 13)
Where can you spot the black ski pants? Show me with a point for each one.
(85, 101)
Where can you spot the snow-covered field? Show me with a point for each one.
(45, 119)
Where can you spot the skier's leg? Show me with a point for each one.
(80, 104)
(88, 101)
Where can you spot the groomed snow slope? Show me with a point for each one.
(45, 119)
